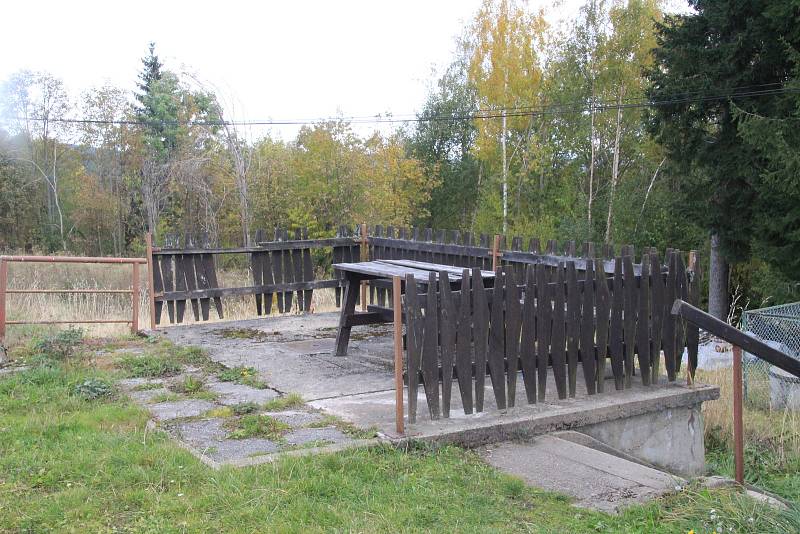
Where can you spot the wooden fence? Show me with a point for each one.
(541, 319)
(287, 267)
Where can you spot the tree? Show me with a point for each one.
(708, 65)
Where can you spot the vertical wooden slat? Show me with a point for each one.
(682, 290)
(657, 311)
(616, 327)
(180, 285)
(413, 344)
(134, 300)
(158, 288)
(480, 333)
(169, 283)
(603, 307)
(513, 323)
(151, 290)
(543, 313)
(692, 331)
(267, 279)
(497, 341)
(338, 258)
(430, 349)
(398, 354)
(191, 282)
(447, 327)
(210, 271)
(256, 259)
(528, 344)
(202, 283)
(629, 317)
(297, 264)
(668, 337)
(643, 322)
(587, 330)
(464, 343)
(308, 274)
(288, 273)
(573, 325)
(559, 337)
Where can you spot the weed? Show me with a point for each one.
(242, 375)
(241, 333)
(345, 427)
(149, 366)
(190, 385)
(287, 402)
(94, 389)
(244, 408)
(59, 347)
(307, 445)
(147, 386)
(222, 411)
(165, 397)
(258, 426)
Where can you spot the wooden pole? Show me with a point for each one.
(151, 294)
(495, 252)
(398, 354)
(364, 257)
(691, 267)
(738, 423)
(3, 283)
(135, 299)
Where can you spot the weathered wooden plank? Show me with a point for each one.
(513, 323)
(277, 270)
(260, 247)
(297, 268)
(413, 344)
(682, 290)
(180, 286)
(191, 283)
(338, 257)
(308, 274)
(643, 322)
(657, 311)
(603, 307)
(211, 274)
(692, 331)
(169, 284)
(587, 330)
(616, 327)
(629, 317)
(543, 329)
(497, 341)
(430, 349)
(528, 344)
(202, 284)
(668, 335)
(533, 246)
(464, 343)
(250, 290)
(267, 279)
(573, 325)
(448, 325)
(288, 274)
(158, 287)
(480, 333)
(559, 337)
(256, 267)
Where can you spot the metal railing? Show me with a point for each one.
(133, 291)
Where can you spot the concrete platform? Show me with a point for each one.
(295, 354)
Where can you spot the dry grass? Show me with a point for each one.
(777, 430)
(60, 307)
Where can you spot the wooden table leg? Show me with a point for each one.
(348, 309)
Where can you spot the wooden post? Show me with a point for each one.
(364, 257)
(691, 267)
(135, 299)
(151, 293)
(738, 424)
(398, 354)
(3, 283)
(495, 252)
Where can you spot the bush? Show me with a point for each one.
(59, 346)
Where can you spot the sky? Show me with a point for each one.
(266, 60)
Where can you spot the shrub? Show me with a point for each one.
(59, 346)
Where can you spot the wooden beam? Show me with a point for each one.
(398, 354)
(247, 290)
(736, 337)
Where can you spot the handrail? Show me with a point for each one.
(736, 337)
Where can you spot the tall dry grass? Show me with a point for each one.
(777, 430)
(63, 307)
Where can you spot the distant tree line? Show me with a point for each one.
(531, 130)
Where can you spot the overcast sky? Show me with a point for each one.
(296, 59)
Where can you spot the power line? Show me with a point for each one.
(485, 114)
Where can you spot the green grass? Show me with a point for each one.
(258, 426)
(345, 427)
(242, 375)
(163, 359)
(287, 402)
(72, 465)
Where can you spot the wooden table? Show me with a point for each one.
(355, 273)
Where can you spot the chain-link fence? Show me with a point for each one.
(766, 386)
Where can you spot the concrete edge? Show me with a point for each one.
(604, 408)
(327, 449)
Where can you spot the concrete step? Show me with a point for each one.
(594, 478)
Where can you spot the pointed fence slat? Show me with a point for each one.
(513, 323)
(616, 328)
(464, 343)
(497, 342)
(559, 335)
(629, 317)
(528, 344)
(448, 324)
(543, 330)
(573, 325)
(413, 345)
(643, 322)
(480, 332)
(603, 308)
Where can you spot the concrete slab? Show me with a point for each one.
(147, 395)
(230, 393)
(183, 408)
(296, 418)
(318, 436)
(593, 478)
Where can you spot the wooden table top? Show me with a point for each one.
(390, 268)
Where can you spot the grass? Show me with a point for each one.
(242, 375)
(258, 426)
(345, 427)
(164, 359)
(772, 440)
(287, 402)
(72, 464)
(241, 333)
